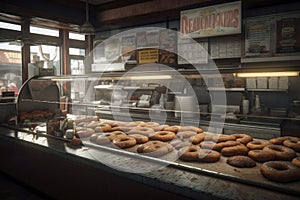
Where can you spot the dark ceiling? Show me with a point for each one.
(110, 14)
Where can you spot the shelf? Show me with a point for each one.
(267, 90)
(270, 59)
(226, 89)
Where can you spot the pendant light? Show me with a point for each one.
(87, 28)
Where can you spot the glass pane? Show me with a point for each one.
(46, 56)
(77, 66)
(10, 67)
(44, 31)
(76, 36)
(10, 26)
(77, 52)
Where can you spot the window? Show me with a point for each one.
(10, 26)
(44, 31)
(10, 67)
(76, 36)
(77, 57)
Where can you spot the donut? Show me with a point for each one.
(93, 124)
(124, 141)
(164, 136)
(112, 124)
(148, 124)
(296, 161)
(293, 144)
(190, 128)
(94, 136)
(281, 152)
(185, 134)
(197, 138)
(171, 128)
(280, 140)
(280, 171)
(243, 138)
(235, 150)
(102, 140)
(241, 162)
(257, 144)
(87, 119)
(154, 148)
(158, 128)
(132, 124)
(141, 131)
(219, 146)
(208, 155)
(261, 156)
(219, 137)
(103, 128)
(85, 132)
(189, 153)
(140, 139)
(207, 145)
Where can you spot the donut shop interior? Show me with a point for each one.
(150, 99)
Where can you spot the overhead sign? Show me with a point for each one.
(223, 19)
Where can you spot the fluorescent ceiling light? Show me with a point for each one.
(266, 74)
(151, 77)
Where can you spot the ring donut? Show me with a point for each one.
(171, 128)
(281, 152)
(219, 146)
(154, 148)
(197, 138)
(241, 161)
(85, 132)
(296, 161)
(189, 153)
(257, 144)
(243, 138)
(140, 139)
(185, 134)
(293, 144)
(208, 155)
(124, 141)
(93, 124)
(280, 140)
(190, 128)
(235, 150)
(103, 128)
(94, 136)
(141, 131)
(261, 156)
(164, 136)
(280, 171)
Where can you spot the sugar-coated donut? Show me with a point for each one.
(241, 161)
(185, 134)
(140, 139)
(261, 156)
(280, 171)
(154, 148)
(257, 144)
(141, 130)
(293, 144)
(296, 161)
(235, 150)
(124, 141)
(243, 138)
(189, 153)
(208, 155)
(164, 136)
(281, 152)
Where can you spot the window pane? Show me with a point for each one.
(76, 36)
(44, 31)
(10, 67)
(10, 26)
(77, 66)
(46, 56)
(77, 52)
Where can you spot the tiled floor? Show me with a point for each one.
(10, 189)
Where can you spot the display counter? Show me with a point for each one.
(62, 170)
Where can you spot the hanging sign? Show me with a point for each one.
(223, 19)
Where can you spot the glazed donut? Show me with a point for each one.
(241, 161)
(102, 140)
(190, 153)
(197, 138)
(112, 135)
(124, 141)
(293, 144)
(261, 156)
(85, 132)
(257, 144)
(190, 128)
(296, 161)
(93, 124)
(280, 140)
(280, 171)
(207, 145)
(94, 136)
(164, 136)
(171, 128)
(112, 124)
(219, 146)
(281, 152)
(219, 137)
(87, 119)
(141, 130)
(132, 124)
(158, 128)
(140, 139)
(208, 155)
(103, 128)
(148, 124)
(154, 148)
(243, 138)
(235, 150)
(185, 134)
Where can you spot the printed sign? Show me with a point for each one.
(147, 56)
(210, 21)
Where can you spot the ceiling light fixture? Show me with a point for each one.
(266, 74)
(87, 28)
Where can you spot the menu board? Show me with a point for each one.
(193, 52)
(225, 47)
(257, 38)
(288, 35)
